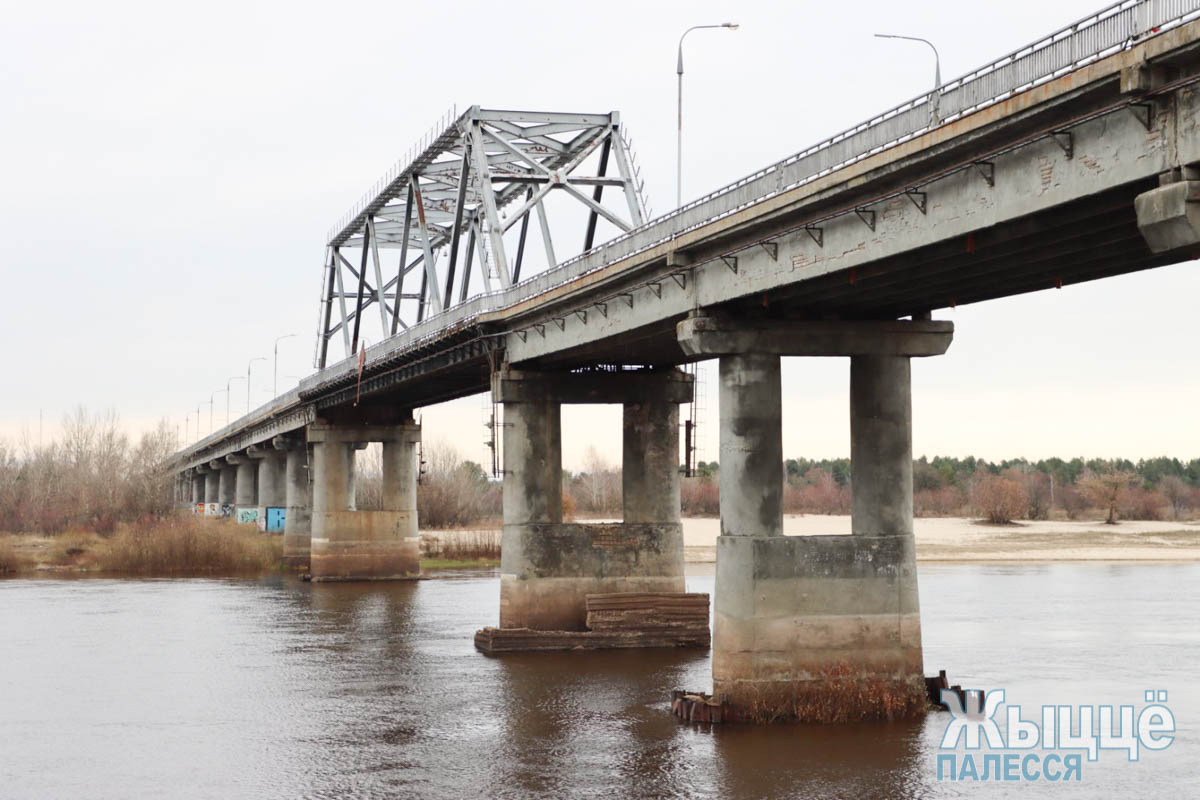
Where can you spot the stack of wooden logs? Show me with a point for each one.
(628, 619)
(684, 616)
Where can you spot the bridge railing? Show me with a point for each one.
(1107, 31)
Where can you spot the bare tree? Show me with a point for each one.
(1107, 490)
(998, 499)
(1177, 492)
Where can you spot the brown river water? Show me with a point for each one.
(284, 689)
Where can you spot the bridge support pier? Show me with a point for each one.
(245, 493)
(548, 566)
(212, 490)
(297, 522)
(270, 483)
(349, 544)
(197, 486)
(226, 486)
(816, 627)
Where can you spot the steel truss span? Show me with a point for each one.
(461, 204)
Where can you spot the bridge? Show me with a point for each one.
(1069, 160)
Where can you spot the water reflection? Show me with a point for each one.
(280, 688)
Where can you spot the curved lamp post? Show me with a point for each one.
(275, 382)
(228, 383)
(248, 366)
(679, 129)
(937, 72)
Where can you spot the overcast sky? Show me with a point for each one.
(170, 173)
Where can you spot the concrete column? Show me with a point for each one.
(400, 476)
(197, 489)
(881, 446)
(227, 489)
(650, 461)
(297, 525)
(532, 461)
(245, 494)
(270, 480)
(348, 544)
(751, 445)
(212, 489)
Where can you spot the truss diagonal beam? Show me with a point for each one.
(480, 173)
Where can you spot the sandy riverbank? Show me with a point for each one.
(959, 539)
(956, 539)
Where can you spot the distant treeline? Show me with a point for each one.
(1154, 488)
(93, 477)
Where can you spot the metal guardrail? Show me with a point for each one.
(398, 172)
(1113, 28)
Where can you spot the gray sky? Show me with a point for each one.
(170, 175)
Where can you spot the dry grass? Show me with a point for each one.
(8, 556)
(160, 548)
(842, 694)
(190, 547)
(461, 546)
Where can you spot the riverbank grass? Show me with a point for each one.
(170, 547)
(459, 563)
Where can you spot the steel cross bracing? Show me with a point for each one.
(463, 204)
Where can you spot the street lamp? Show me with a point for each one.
(198, 421)
(275, 384)
(211, 398)
(227, 385)
(679, 130)
(937, 71)
(248, 366)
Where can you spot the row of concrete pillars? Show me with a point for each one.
(791, 612)
(313, 481)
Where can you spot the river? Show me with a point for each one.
(278, 688)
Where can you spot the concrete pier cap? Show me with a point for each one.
(1169, 216)
(816, 628)
(713, 335)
